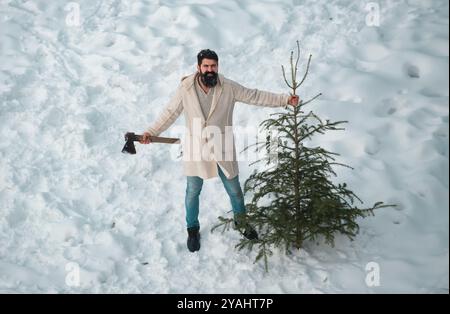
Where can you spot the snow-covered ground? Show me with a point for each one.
(69, 200)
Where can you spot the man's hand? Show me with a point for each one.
(293, 100)
(145, 138)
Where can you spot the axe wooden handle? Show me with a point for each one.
(156, 139)
(169, 140)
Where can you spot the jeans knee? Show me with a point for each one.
(193, 186)
(193, 190)
(236, 193)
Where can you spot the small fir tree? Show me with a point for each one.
(295, 200)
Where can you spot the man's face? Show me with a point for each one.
(208, 65)
(208, 72)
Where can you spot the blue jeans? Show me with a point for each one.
(194, 187)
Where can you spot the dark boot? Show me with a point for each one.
(193, 240)
(246, 230)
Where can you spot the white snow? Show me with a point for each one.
(68, 93)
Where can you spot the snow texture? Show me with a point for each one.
(70, 89)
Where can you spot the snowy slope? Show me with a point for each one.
(68, 92)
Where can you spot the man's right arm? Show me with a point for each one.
(167, 117)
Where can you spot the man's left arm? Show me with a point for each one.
(261, 98)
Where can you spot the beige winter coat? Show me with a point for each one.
(209, 140)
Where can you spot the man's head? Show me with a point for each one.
(208, 66)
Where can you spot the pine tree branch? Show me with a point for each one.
(296, 62)
(320, 128)
(284, 76)
(306, 72)
(312, 99)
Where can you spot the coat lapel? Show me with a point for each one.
(188, 82)
(217, 92)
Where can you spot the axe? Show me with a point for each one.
(130, 138)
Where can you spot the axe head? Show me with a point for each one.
(129, 148)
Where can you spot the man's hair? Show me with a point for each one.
(206, 54)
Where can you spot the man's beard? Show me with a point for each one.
(209, 78)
